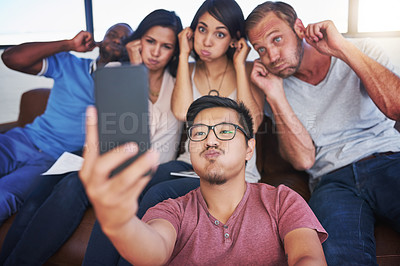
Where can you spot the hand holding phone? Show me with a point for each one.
(121, 99)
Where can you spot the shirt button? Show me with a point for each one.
(216, 222)
(225, 226)
(226, 235)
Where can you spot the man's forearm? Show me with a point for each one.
(140, 243)
(23, 57)
(381, 84)
(182, 94)
(245, 94)
(295, 143)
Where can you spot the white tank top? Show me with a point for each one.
(252, 175)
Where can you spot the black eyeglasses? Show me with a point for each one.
(223, 131)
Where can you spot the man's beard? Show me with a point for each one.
(298, 58)
(113, 55)
(215, 179)
(212, 173)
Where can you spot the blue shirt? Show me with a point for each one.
(62, 126)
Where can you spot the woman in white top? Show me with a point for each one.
(216, 39)
(156, 47)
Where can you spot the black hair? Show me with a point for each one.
(207, 101)
(120, 24)
(229, 13)
(163, 18)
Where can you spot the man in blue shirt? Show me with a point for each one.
(27, 152)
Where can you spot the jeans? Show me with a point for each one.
(347, 202)
(21, 166)
(170, 189)
(100, 250)
(52, 213)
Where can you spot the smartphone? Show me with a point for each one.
(121, 99)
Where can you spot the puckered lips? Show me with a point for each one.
(211, 153)
(280, 67)
(153, 62)
(205, 53)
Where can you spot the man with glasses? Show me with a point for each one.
(225, 221)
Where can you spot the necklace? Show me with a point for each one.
(213, 92)
(154, 94)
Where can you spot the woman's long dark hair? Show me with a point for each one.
(163, 18)
(229, 13)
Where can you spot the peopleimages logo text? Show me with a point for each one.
(126, 123)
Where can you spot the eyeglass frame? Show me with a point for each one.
(213, 129)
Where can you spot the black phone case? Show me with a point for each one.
(121, 97)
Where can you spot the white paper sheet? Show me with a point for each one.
(185, 174)
(67, 162)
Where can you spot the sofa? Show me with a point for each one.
(273, 169)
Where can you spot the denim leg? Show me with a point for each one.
(171, 189)
(348, 219)
(55, 221)
(21, 164)
(163, 174)
(16, 186)
(27, 211)
(100, 250)
(15, 150)
(380, 186)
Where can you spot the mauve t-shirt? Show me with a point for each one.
(253, 235)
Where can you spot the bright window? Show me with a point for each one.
(44, 20)
(378, 16)
(40, 20)
(105, 15)
(132, 12)
(311, 11)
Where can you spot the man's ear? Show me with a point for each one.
(251, 145)
(299, 28)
